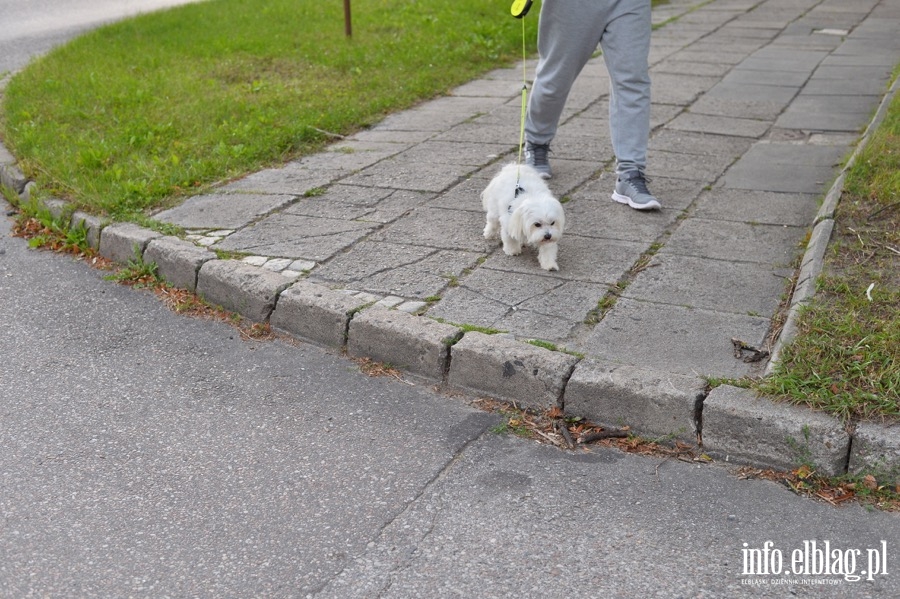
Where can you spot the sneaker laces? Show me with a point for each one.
(539, 153)
(639, 181)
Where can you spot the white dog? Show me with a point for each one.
(520, 206)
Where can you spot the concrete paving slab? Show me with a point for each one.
(704, 168)
(580, 258)
(476, 131)
(675, 66)
(845, 87)
(438, 228)
(701, 56)
(465, 195)
(688, 341)
(680, 89)
(701, 144)
(460, 153)
(526, 324)
(510, 288)
(439, 114)
(296, 236)
(223, 210)
(464, 306)
(407, 174)
(829, 113)
(744, 76)
(785, 167)
(590, 213)
(720, 125)
(734, 106)
(762, 207)
(660, 114)
(396, 269)
(672, 193)
(736, 241)
(724, 286)
(784, 59)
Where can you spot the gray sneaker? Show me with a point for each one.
(631, 189)
(536, 156)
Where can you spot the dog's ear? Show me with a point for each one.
(561, 221)
(517, 223)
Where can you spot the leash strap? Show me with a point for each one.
(520, 15)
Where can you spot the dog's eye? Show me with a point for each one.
(553, 223)
(538, 225)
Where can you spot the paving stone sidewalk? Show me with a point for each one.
(756, 104)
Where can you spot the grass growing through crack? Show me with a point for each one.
(846, 357)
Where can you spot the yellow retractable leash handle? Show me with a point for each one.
(519, 9)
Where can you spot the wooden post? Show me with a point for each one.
(348, 27)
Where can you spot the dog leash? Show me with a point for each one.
(519, 9)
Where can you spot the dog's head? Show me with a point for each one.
(538, 219)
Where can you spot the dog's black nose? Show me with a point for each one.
(548, 235)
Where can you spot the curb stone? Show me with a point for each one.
(530, 376)
(316, 313)
(10, 175)
(417, 345)
(177, 261)
(771, 435)
(122, 242)
(650, 402)
(250, 291)
(874, 450)
(93, 226)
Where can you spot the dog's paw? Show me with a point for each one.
(549, 265)
(547, 256)
(512, 251)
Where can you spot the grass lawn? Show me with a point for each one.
(134, 115)
(846, 356)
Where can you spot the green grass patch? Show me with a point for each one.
(846, 357)
(136, 115)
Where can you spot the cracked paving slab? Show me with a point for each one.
(690, 341)
(295, 236)
(405, 270)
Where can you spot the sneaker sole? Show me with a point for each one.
(652, 205)
(545, 174)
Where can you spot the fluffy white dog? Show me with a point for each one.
(523, 214)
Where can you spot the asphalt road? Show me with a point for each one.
(31, 28)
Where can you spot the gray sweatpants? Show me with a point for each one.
(568, 33)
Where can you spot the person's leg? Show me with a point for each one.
(626, 46)
(568, 33)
